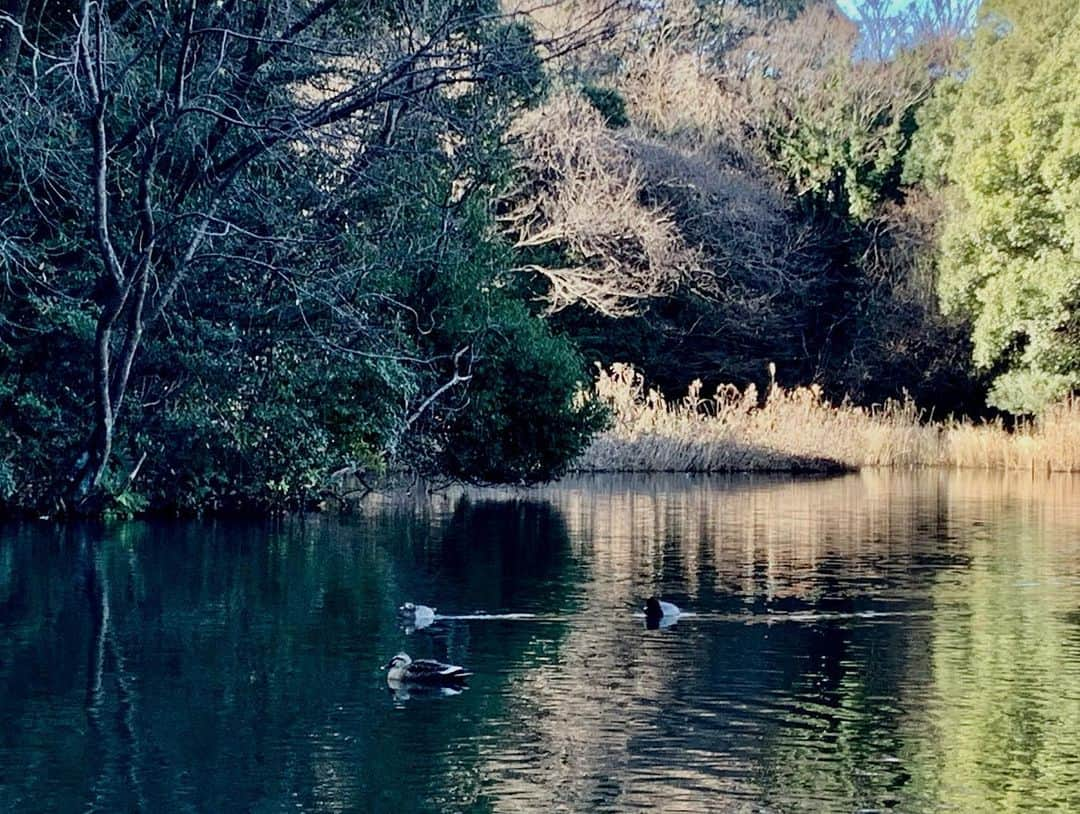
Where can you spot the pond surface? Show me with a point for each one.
(881, 641)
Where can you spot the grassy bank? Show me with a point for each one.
(798, 429)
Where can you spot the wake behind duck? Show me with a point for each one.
(417, 617)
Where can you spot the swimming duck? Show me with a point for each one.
(659, 613)
(416, 617)
(401, 669)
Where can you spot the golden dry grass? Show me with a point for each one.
(798, 429)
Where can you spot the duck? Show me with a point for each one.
(416, 617)
(402, 670)
(660, 614)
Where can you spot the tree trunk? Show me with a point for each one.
(11, 32)
(91, 464)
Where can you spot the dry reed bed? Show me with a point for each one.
(798, 429)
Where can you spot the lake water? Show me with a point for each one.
(880, 641)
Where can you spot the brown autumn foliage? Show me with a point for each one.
(762, 149)
(581, 193)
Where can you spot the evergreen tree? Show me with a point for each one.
(1011, 241)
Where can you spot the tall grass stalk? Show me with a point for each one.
(798, 429)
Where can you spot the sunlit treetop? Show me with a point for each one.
(1011, 245)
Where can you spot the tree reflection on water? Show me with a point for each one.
(884, 640)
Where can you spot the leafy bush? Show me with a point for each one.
(526, 420)
(610, 104)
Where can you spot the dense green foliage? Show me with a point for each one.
(225, 284)
(1010, 150)
(610, 104)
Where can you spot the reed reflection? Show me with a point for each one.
(829, 661)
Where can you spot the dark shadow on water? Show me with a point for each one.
(506, 556)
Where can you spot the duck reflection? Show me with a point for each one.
(402, 691)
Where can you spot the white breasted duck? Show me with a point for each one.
(416, 617)
(401, 669)
(659, 613)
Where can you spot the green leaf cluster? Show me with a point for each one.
(1011, 242)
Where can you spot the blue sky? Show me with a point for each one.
(850, 7)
